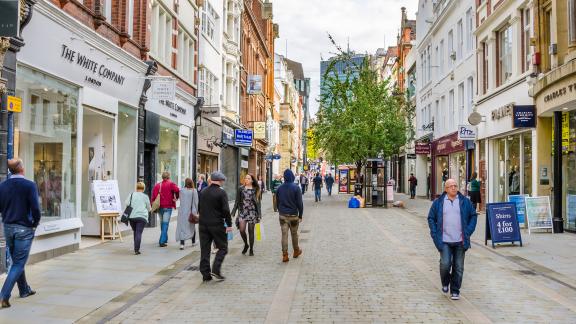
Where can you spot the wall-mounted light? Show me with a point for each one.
(214, 141)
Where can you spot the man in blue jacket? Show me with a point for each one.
(290, 209)
(20, 216)
(452, 220)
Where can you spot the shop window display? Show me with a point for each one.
(45, 139)
(441, 173)
(168, 150)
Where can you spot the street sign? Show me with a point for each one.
(243, 137)
(502, 224)
(9, 18)
(14, 104)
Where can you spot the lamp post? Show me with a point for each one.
(197, 123)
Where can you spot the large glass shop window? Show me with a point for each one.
(127, 149)
(45, 139)
(168, 150)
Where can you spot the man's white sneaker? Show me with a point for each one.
(445, 289)
(181, 246)
(455, 297)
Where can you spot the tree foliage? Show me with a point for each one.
(359, 117)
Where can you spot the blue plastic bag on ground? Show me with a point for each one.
(353, 203)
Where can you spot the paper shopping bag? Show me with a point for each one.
(259, 232)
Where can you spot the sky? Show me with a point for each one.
(305, 24)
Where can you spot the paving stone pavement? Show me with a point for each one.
(358, 266)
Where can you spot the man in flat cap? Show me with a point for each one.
(215, 223)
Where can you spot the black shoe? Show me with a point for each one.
(30, 293)
(137, 253)
(251, 253)
(218, 277)
(245, 249)
(5, 303)
(163, 245)
(206, 279)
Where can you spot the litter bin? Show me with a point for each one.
(358, 189)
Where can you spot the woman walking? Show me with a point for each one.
(474, 193)
(248, 206)
(262, 187)
(188, 206)
(140, 204)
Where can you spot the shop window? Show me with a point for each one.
(184, 160)
(527, 163)
(168, 153)
(45, 139)
(127, 149)
(504, 54)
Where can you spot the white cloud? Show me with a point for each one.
(305, 24)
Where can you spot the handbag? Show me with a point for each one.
(126, 214)
(193, 219)
(156, 203)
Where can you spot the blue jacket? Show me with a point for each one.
(468, 216)
(289, 196)
(19, 202)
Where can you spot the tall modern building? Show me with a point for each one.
(353, 63)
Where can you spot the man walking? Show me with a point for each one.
(413, 183)
(317, 183)
(273, 188)
(329, 183)
(20, 216)
(290, 208)
(303, 182)
(452, 220)
(215, 222)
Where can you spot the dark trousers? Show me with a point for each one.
(209, 234)
(18, 241)
(275, 202)
(329, 188)
(317, 194)
(303, 188)
(452, 266)
(137, 225)
(412, 191)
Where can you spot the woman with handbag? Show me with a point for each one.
(248, 206)
(140, 207)
(187, 214)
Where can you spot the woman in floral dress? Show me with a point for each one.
(248, 206)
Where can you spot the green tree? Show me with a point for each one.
(359, 117)
(311, 149)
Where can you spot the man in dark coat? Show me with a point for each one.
(290, 210)
(317, 183)
(329, 183)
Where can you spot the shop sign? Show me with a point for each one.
(9, 18)
(254, 84)
(422, 148)
(538, 213)
(243, 137)
(524, 116)
(467, 132)
(14, 104)
(244, 164)
(502, 112)
(163, 89)
(449, 144)
(259, 130)
(411, 156)
(561, 92)
(502, 224)
(106, 196)
(179, 111)
(227, 135)
(83, 59)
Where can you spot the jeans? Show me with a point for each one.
(289, 223)
(18, 241)
(452, 266)
(329, 188)
(303, 188)
(165, 214)
(412, 192)
(209, 234)
(317, 194)
(137, 225)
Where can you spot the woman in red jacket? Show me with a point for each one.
(169, 193)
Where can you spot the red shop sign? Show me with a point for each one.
(447, 145)
(422, 148)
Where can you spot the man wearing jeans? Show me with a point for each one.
(290, 209)
(20, 215)
(452, 220)
(169, 193)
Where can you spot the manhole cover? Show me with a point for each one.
(193, 268)
(527, 272)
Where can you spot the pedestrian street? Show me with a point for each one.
(358, 266)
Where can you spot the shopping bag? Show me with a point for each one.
(230, 234)
(259, 232)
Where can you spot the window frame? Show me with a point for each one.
(504, 54)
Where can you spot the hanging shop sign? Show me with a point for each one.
(524, 116)
(502, 224)
(106, 196)
(422, 148)
(520, 203)
(9, 18)
(259, 130)
(14, 104)
(254, 84)
(538, 213)
(243, 137)
(227, 135)
(163, 89)
(467, 132)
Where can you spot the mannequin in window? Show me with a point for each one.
(514, 181)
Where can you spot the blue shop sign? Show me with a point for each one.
(227, 135)
(243, 137)
(524, 116)
(502, 224)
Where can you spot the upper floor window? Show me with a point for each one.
(460, 40)
(207, 86)
(186, 55)
(209, 21)
(441, 57)
(484, 67)
(572, 22)
(451, 53)
(504, 54)
(469, 30)
(161, 42)
(526, 28)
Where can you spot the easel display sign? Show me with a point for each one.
(502, 224)
(520, 207)
(538, 213)
(106, 196)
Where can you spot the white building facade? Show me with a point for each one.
(445, 90)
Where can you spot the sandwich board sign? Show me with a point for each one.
(538, 213)
(502, 224)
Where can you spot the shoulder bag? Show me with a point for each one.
(126, 215)
(156, 203)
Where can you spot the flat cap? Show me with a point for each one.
(217, 176)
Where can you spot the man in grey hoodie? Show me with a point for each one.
(290, 209)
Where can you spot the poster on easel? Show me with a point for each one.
(106, 196)
(520, 203)
(538, 213)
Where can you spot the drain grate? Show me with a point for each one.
(527, 272)
(193, 268)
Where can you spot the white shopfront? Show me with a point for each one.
(80, 96)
